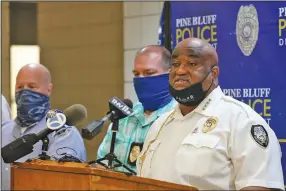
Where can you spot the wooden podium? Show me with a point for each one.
(51, 175)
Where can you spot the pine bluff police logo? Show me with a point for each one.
(247, 28)
(260, 135)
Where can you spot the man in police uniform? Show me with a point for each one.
(33, 89)
(210, 141)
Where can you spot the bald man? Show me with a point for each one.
(33, 90)
(209, 141)
(151, 75)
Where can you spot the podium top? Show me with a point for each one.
(84, 169)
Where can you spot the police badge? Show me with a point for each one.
(134, 153)
(210, 124)
(260, 135)
(247, 28)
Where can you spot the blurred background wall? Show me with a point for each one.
(141, 24)
(5, 50)
(89, 48)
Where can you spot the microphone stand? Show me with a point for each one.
(43, 155)
(111, 157)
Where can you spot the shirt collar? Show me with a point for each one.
(205, 107)
(138, 112)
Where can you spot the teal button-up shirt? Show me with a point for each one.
(131, 129)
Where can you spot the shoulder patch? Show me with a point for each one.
(260, 135)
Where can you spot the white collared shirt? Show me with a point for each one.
(235, 149)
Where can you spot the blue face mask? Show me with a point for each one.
(153, 91)
(31, 107)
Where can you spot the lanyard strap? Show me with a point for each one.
(142, 158)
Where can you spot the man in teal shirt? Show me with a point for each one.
(151, 75)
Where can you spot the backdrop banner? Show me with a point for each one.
(250, 38)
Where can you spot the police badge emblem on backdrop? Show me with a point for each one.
(247, 28)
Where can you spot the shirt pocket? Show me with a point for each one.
(196, 154)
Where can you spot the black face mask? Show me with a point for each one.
(192, 95)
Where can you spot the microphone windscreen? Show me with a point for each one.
(75, 114)
(128, 102)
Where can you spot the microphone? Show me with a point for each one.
(123, 108)
(75, 114)
(24, 145)
(116, 107)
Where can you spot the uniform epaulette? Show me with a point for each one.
(241, 105)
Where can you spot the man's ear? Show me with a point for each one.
(50, 88)
(215, 72)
